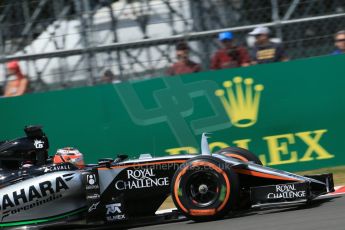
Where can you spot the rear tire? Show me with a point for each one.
(205, 188)
(240, 154)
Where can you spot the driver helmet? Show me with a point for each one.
(71, 155)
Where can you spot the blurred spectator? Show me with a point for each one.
(264, 50)
(231, 55)
(339, 41)
(109, 77)
(183, 64)
(17, 83)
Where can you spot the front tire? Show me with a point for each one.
(205, 188)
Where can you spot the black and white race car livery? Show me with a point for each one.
(203, 187)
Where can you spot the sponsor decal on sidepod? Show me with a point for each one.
(141, 178)
(113, 209)
(36, 195)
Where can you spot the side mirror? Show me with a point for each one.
(120, 158)
(105, 162)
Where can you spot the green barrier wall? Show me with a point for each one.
(290, 114)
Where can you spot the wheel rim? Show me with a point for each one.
(203, 188)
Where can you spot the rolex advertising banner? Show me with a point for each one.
(289, 114)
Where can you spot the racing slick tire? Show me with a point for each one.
(205, 188)
(243, 155)
(240, 154)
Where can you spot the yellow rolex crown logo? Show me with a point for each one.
(241, 99)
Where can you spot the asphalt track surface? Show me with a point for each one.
(326, 214)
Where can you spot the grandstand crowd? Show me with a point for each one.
(230, 55)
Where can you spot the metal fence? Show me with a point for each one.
(72, 43)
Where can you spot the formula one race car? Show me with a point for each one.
(35, 191)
